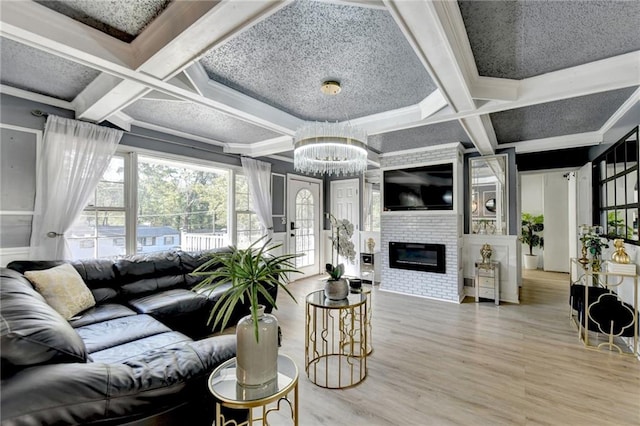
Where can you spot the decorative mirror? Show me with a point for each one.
(488, 188)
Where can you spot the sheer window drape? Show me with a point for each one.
(73, 158)
(258, 175)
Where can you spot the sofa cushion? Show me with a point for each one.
(97, 274)
(143, 274)
(169, 303)
(193, 259)
(31, 331)
(118, 331)
(136, 349)
(151, 265)
(63, 289)
(99, 313)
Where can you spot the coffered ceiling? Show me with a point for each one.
(244, 75)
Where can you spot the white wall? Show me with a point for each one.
(556, 222)
(532, 201)
(548, 194)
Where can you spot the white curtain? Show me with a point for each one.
(73, 158)
(258, 175)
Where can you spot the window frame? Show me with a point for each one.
(248, 212)
(96, 210)
(130, 155)
(602, 182)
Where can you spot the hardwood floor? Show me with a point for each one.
(438, 363)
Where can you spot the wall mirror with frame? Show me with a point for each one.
(615, 189)
(371, 201)
(489, 202)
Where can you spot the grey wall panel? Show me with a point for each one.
(17, 170)
(15, 231)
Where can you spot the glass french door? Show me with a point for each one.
(304, 225)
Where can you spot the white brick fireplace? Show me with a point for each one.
(430, 227)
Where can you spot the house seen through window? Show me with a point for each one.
(180, 205)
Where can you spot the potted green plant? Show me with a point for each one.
(531, 226)
(251, 272)
(336, 288)
(594, 244)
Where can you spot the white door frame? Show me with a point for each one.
(290, 215)
(356, 233)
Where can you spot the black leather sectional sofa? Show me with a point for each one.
(134, 358)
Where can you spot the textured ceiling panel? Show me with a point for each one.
(576, 115)
(284, 59)
(31, 69)
(122, 19)
(419, 137)
(524, 38)
(197, 120)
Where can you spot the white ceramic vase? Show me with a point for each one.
(336, 289)
(257, 361)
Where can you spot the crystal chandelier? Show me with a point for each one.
(330, 148)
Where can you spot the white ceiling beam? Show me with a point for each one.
(262, 148)
(437, 34)
(624, 108)
(556, 142)
(280, 120)
(480, 129)
(121, 120)
(36, 97)
(490, 88)
(172, 42)
(44, 36)
(584, 80)
(605, 75)
(38, 26)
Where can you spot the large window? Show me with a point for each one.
(177, 199)
(102, 223)
(248, 227)
(179, 205)
(615, 177)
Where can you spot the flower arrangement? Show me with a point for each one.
(341, 233)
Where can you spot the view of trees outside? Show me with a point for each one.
(187, 198)
(172, 197)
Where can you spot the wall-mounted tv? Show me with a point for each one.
(419, 188)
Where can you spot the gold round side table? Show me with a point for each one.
(259, 401)
(336, 340)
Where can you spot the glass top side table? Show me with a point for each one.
(336, 340)
(261, 399)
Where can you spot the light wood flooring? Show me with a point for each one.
(439, 363)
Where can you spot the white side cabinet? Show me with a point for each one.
(487, 282)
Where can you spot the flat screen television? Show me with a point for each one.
(419, 188)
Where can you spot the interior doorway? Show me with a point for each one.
(304, 207)
(550, 193)
(345, 204)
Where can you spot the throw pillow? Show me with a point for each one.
(62, 287)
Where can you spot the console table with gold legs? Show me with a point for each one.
(603, 318)
(336, 346)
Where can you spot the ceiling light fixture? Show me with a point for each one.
(330, 148)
